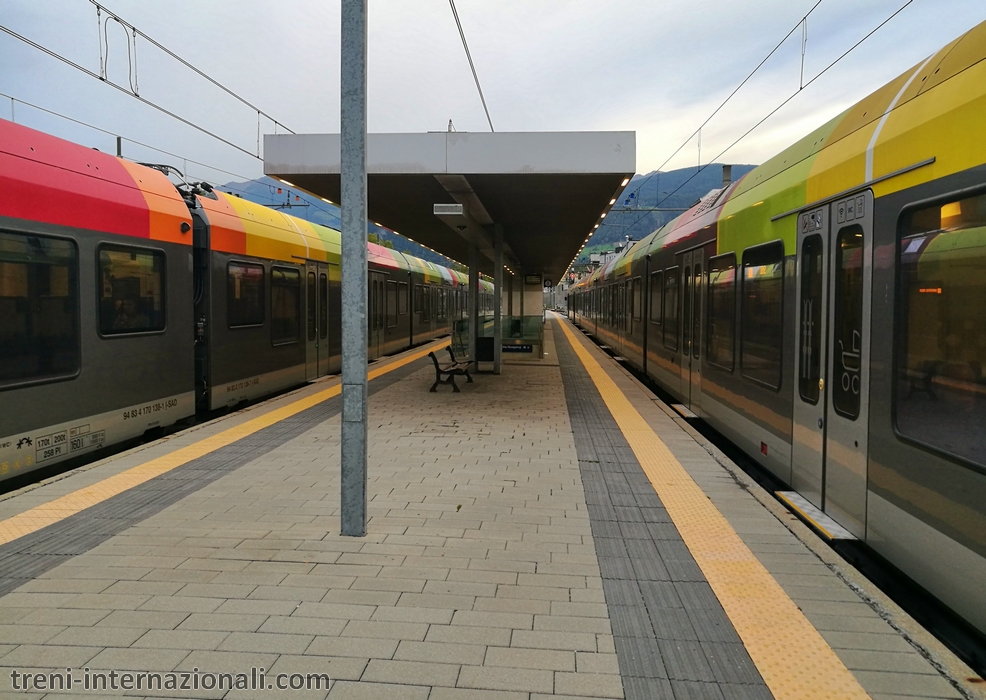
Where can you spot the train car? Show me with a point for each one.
(263, 294)
(95, 258)
(826, 313)
(128, 304)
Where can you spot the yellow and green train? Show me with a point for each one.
(827, 313)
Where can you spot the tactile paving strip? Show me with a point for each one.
(789, 653)
(40, 550)
(661, 653)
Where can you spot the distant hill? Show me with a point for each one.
(675, 189)
(272, 193)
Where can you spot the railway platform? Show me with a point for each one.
(554, 531)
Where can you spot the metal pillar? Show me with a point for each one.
(510, 296)
(473, 300)
(354, 276)
(497, 295)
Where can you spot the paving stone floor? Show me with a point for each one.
(478, 579)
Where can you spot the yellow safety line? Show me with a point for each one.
(791, 655)
(60, 508)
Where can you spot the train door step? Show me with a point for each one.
(683, 410)
(813, 516)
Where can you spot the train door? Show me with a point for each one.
(692, 312)
(831, 402)
(311, 321)
(323, 319)
(316, 320)
(376, 318)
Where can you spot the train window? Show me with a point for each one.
(656, 287)
(323, 306)
(244, 295)
(635, 299)
(417, 297)
(848, 327)
(697, 313)
(686, 308)
(402, 298)
(285, 305)
(131, 290)
(721, 312)
(671, 308)
(391, 304)
(39, 308)
(940, 397)
(810, 342)
(762, 314)
(312, 310)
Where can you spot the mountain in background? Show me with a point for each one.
(672, 192)
(633, 214)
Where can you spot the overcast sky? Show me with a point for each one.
(657, 67)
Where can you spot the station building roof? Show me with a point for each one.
(548, 190)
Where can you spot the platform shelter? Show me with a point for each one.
(520, 203)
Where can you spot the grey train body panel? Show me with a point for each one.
(147, 375)
(922, 509)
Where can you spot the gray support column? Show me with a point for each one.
(473, 300)
(354, 276)
(497, 294)
(523, 291)
(510, 296)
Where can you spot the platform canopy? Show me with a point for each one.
(548, 190)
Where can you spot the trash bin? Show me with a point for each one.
(484, 349)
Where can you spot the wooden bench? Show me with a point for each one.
(449, 371)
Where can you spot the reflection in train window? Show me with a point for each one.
(940, 396)
(671, 308)
(425, 306)
(697, 311)
(722, 312)
(285, 305)
(323, 306)
(656, 287)
(686, 320)
(848, 327)
(762, 314)
(391, 304)
(402, 298)
(131, 290)
(312, 310)
(811, 301)
(635, 298)
(39, 308)
(244, 295)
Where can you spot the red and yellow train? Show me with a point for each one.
(128, 304)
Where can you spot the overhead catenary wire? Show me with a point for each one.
(472, 66)
(271, 188)
(163, 110)
(718, 109)
(779, 107)
(185, 63)
(185, 159)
